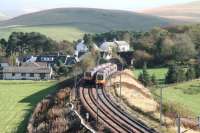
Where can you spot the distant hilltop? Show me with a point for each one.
(189, 12)
(90, 20)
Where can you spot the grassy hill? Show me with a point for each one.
(57, 32)
(80, 20)
(189, 12)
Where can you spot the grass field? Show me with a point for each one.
(17, 100)
(58, 33)
(186, 94)
(158, 72)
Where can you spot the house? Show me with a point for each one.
(4, 62)
(106, 55)
(81, 47)
(107, 46)
(4, 65)
(120, 46)
(33, 71)
(71, 60)
(31, 59)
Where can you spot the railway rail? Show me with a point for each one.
(109, 113)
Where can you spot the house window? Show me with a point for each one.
(42, 75)
(13, 74)
(31, 74)
(23, 74)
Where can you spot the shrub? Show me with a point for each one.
(190, 74)
(175, 74)
(144, 77)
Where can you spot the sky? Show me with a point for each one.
(18, 7)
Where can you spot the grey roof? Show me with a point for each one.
(34, 64)
(26, 70)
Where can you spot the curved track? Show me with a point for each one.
(109, 113)
(136, 124)
(91, 106)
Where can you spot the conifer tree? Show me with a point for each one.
(190, 74)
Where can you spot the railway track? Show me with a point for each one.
(133, 122)
(109, 113)
(92, 108)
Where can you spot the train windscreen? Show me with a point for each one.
(99, 77)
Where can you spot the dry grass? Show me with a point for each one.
(136, 96)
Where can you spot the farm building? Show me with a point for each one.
(27, 72)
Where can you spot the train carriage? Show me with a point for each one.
(103, 75)
(90, 75)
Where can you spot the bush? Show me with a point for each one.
(175, 74)
(144, 77)
(190, 74)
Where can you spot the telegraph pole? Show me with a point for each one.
(161, 98)
(75, 85)
(97, 100)
(178, 122)
(121, 82)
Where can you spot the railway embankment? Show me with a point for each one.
(138, 101)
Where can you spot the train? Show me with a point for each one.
(100, 74)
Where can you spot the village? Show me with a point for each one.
(40, 67)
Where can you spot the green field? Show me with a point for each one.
(158, 72)
(186, 94)
(58, 33)
(18, 99)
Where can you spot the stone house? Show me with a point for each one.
(27, 72)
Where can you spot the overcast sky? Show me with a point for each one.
(17, 7)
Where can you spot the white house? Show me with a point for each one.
(121, 46)
(32, 59)
(107, 46)
(81, 47)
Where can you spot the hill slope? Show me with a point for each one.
(188, 12)
(89, 20)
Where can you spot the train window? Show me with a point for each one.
(99, 77)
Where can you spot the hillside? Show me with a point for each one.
(189, 12)
(89, 20)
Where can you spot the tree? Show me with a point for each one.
(197, 71)
(141, 57)
(29, 43)
(184, 48)
(175, 74)
(171, 74)
(66, 47)
(144, 76)
(3, 45)
(190, 74)
(153, 79)
(88, 40)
